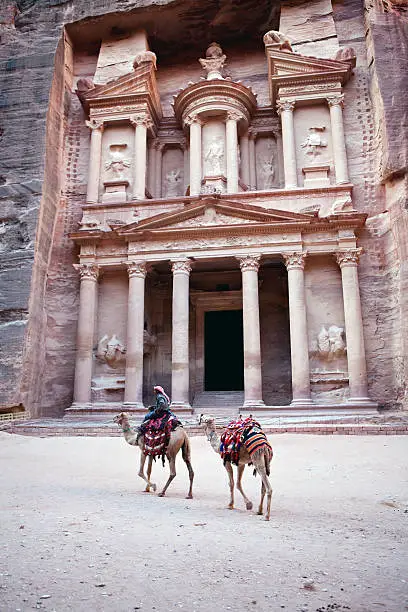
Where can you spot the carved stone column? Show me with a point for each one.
(85, 334)
(181, 269)
(244, 148)
(285, 110)
(159, 146)
(141, 123)
(252, 160)
(295, 263)
(195, 154)
(249, 265)
(232, 151)
(151, 168)
(357, 370)
(339, 145)
(135, 327)
(95, 156)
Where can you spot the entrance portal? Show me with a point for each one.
(224, 350)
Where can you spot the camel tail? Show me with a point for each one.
(264, 455)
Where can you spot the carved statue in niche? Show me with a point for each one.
(314, 142)
(330, 343)
(215, 158)
(173, 182)
(267, 172)
(116, 165)
(111, 351)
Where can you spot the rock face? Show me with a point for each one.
(44, 151)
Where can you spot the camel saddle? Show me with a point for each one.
(156, 435)
(243, 431)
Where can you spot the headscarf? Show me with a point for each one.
(162, 391)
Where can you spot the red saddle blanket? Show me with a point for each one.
(156, 436)
(244, 431)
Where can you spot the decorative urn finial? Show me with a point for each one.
(214, 61)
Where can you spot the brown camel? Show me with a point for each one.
(260, 459)
(178, 440)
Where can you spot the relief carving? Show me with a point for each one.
(314, 142)
(111, 351)
(214, 158)
(117, 164)
(173, 183)
(330, 343)
(266, 169)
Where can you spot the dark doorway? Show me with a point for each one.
(224, 351)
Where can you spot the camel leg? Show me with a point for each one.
(149, 471)
(191, 476)
(172, 462)
(248, 502)
(263, 491)
(267, 485)
(228, 467)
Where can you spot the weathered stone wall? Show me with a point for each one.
(43, 165)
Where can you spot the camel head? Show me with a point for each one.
(208, 421)
(121, 418)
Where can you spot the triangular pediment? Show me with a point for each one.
(288, 69)
(139, 83)
(214, 214)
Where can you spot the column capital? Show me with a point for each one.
(295, 261)
(141, 119)
(136, 268)
(252, 133)
(95, 124)
(285, 105)
(159, 146)
(249, 262)
(348, 258)
(335, 100)
(234, 115)
(192, 118)
(181, 266)
(87, 271)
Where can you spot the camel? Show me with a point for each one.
(178, 440)
(260, 459)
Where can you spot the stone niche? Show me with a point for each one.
(327, 340)
(314, 146)
(267, 163)
(213, 153)
(110, 338)
(116, 163)
(173, 172)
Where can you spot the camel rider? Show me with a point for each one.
(162, 406)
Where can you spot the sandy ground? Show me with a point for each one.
(77, 532)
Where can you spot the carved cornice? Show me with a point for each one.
(87, 271)
(295, 261)
(136, 269)
(249, 262)
(181, 266)
(285, 105)
(336, 100)
(348, 257)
